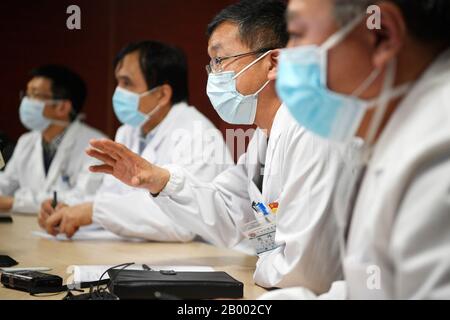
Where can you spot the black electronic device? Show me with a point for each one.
(32, 282)
(5, 218)
(144, 284)
(7, 262)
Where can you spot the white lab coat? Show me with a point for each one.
(299, 173)
(402, 216)
(185, 137)
(24, 177)
(399, 241)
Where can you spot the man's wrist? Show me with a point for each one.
(87, 216)
(164, 178)
(175, 181)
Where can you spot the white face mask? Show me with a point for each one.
(126, 107)
(302, 85)
(32, 115)
(233, 107)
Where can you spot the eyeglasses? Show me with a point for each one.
(37, 96)
(46, 98)
(215, 65)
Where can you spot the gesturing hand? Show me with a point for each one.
(127, 166)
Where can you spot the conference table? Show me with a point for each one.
(18, 241)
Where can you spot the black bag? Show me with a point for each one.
(150, 285)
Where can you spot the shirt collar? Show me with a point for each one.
(53, 145)
(146, 138)
(168, 120)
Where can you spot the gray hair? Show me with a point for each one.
(346, 10)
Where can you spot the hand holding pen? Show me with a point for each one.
(49, 207)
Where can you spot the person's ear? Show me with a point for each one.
(274, 56)
(390, 38)
(165, 94)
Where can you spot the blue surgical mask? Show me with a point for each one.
(302, 86)
(126, 107)
(233, 107)
(31, 113)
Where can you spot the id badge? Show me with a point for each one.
(261, 236)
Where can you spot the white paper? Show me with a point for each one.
(85, 235)
(93, 273)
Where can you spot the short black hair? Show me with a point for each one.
(427, 20)
(65, 85)
(262, 23)
(161, 64)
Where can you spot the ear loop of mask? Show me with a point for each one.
(340, 35)
(367, 83)
(251, 65)
(60, 123)
(382, 103)
(337, 38)
(55, 122)
(156, 109)
(148, 92)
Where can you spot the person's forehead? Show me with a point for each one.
(130, 65)
(225, 40)
(40, 84)
(313, 19)
(309, 10)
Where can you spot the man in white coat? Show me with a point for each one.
(285, 167)
(150, 101)
(395, 235)
(50, 158)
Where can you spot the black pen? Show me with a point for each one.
(55, 204)
(55, 200)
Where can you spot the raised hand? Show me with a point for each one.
(127, 166)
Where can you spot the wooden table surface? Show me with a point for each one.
(17, 241)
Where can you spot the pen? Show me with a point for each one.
(55, 200)
(55, 204)
(262, 209)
